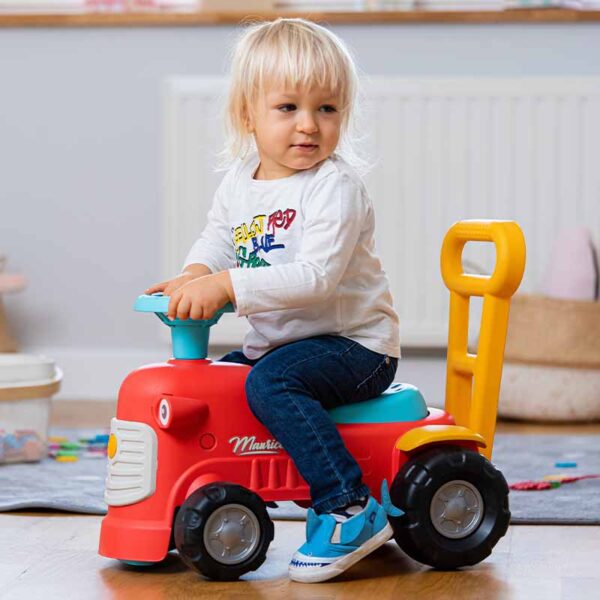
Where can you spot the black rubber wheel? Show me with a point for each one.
(456, 507)
(172, 545)
(223, 530)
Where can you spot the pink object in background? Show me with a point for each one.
(106, 5)
(9, 283)
(572, 272)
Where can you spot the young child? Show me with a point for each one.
(290, 242)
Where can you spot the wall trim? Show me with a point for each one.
(96, 374)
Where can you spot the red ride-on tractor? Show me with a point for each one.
(191, 468)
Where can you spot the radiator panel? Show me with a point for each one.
(441, 150)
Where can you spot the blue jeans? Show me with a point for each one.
(291, 388)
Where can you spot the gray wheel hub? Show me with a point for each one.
(456, 509)
(231, 534)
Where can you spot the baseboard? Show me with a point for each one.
(96, 374)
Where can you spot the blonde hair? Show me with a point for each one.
(290, 52)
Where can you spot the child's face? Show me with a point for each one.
(294, 129)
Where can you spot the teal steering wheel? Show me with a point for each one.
(189, 337)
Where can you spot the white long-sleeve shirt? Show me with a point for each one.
(301, 254)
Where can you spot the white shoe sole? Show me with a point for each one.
(308, 575)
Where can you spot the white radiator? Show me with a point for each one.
(442, 150)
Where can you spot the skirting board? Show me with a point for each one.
(96, 374)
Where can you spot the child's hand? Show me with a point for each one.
(201, 297)
(168, 287)
(171, 285)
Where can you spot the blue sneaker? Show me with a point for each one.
(332, 547)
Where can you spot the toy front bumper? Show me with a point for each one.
(134, 540)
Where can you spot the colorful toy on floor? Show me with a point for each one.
(549, 482)
(63, 450)
(190, 468)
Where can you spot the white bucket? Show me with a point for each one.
(27, 384)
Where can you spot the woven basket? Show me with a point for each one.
(552, 360)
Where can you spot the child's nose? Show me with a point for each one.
(307, 123)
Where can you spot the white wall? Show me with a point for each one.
(80, 164)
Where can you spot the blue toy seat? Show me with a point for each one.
(400, 402)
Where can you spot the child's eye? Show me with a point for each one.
(286, 107)
(328, 108)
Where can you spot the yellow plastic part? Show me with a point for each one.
(66, 459)
(430, 434)
(111, 449)
(473, 380)
(555, 477)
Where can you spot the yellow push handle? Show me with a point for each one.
(473, 380)
(510, 258)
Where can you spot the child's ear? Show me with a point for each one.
(248, 120)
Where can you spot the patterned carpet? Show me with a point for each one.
(79, 486)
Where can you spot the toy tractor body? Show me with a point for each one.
(191, 468)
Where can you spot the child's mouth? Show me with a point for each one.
(305, 147)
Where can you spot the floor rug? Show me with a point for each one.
(79, 486)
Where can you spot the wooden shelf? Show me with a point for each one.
(193, 19)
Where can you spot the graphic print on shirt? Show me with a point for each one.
(253, 241)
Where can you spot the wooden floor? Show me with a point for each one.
(53, 555)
